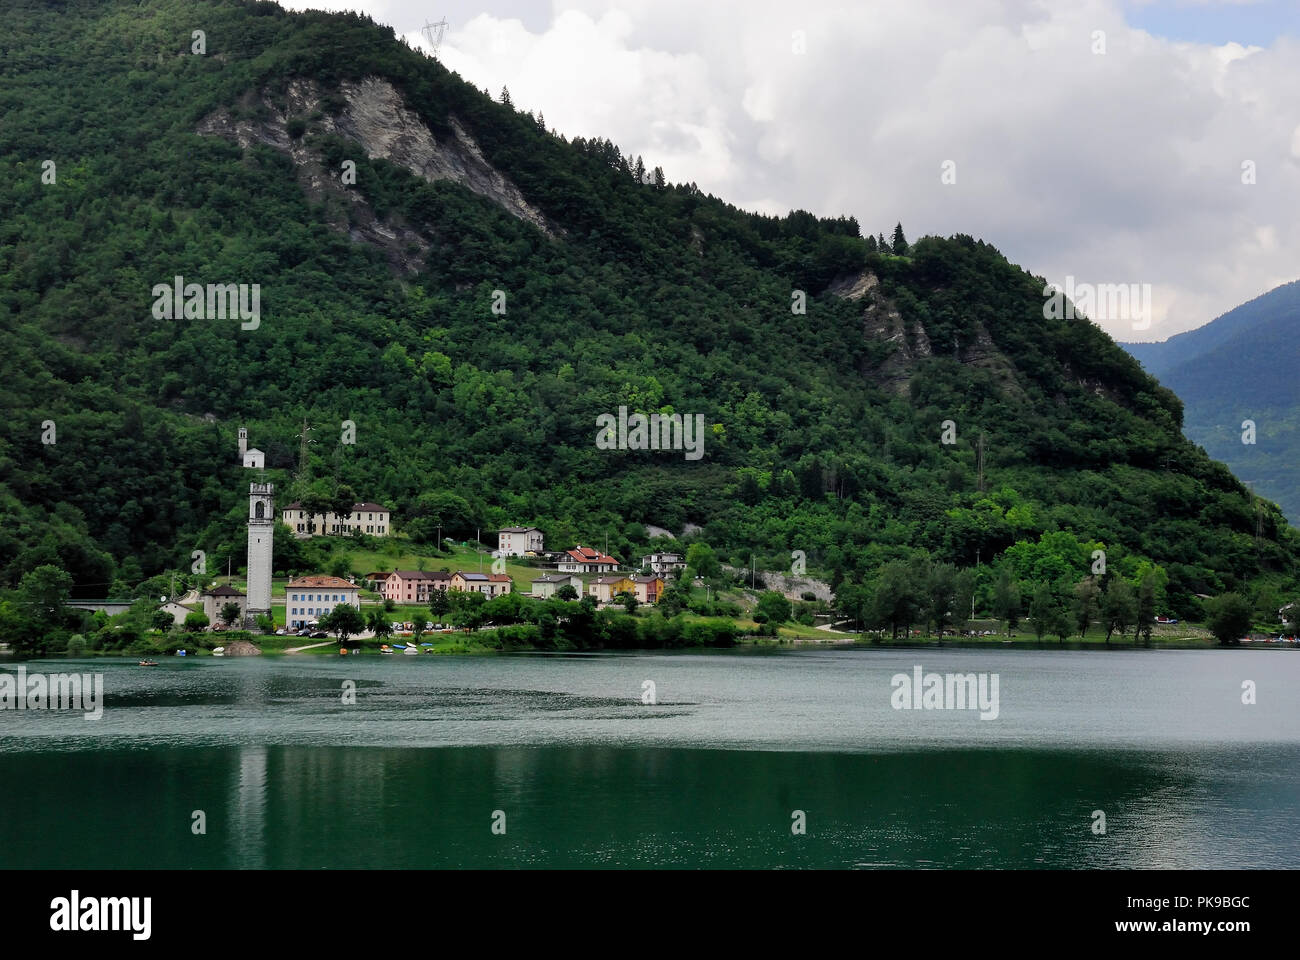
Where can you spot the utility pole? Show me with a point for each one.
(304, 439)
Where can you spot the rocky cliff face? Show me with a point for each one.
(882, 321)
(375, 117)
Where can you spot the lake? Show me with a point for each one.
(554, 760)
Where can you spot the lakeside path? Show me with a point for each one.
(310, 646)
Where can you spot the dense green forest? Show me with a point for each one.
(644, 294)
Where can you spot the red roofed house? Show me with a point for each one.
(586, 560)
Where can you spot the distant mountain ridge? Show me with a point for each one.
(1242, 366)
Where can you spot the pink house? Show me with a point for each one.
(413, 586)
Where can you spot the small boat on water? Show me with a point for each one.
(148, 663)
(386, 649)
(218, 651)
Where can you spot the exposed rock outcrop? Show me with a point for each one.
(375, 117)
(909, 341)
(242, 648)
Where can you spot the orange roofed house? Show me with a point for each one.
(307, 599)
(586, 560)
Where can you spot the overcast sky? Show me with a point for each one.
(1102, 140)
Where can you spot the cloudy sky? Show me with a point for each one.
(1108, 141)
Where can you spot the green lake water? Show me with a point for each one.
(562, 752)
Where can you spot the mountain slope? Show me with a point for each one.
(478, 295)
(1242, 366)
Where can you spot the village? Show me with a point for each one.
(309, 599)
(368, 579)
(402, 586)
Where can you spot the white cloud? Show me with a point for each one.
(1117, 168)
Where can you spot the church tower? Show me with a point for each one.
(261, 526)
(243, 443)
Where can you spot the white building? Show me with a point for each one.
(254, 458)
(261, 529)
(663, 562)
(370, 518)
(307, 599)
(178, 611)
(518, 541)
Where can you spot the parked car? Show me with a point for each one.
(280, 632)
(320, 635)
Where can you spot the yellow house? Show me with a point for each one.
(605, 589)
(647, 589)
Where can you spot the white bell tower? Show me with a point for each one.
(243, 443)
(261, 527)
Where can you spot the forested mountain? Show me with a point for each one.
(472, 291)
(1239, 367)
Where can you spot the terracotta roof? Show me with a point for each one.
(650, 579)
(325, 582)
(588, 555)
(499, 578)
